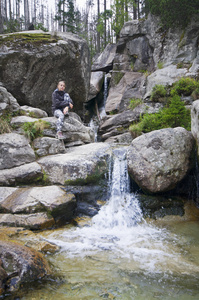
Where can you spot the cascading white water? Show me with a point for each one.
(102, 108)
(122, 209)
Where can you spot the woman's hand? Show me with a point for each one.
(71, 105)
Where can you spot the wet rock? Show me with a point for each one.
(22, 264)
(159, 160)
(37, 221)
(160, 206)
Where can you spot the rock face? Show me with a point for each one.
(160, 159)
(22, 264)
(33, 62)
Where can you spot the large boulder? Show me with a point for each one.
(30, 206)
(15, 150)
(83, 164)
(159, 160)
(33, 62)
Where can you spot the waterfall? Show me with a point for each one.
(102, 108)
(122, 209)
(94, 127)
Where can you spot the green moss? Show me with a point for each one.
(22, 39)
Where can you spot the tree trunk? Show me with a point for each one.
(1, 19)
(104, 23)
(98, 19)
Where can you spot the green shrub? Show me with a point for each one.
(184, 86)
(134, 102)
(158, 91)
(172, 116)
(35, 129)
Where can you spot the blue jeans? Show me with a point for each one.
(60, 122)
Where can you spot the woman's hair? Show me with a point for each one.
(61, 81)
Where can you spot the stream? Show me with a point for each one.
(119, 255)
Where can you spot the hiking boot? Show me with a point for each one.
(59, 135)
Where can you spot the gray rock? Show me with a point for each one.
(130, 86)
(87, 163)
(32, 75)
(7, 101)
(104, 61)
(15, 150)
(47, 146)
(96, 82)
(124, 138)
(158, 160)
(36, 221)
(23, 174)
(48, 199)
(35, 112)
(166, 76)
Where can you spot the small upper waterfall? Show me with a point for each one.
(102, 108)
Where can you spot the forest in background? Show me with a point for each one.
(99, 22)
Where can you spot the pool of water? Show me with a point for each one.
(156, 262)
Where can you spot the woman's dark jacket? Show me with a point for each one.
(60, 100)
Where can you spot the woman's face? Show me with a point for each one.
(61, 86)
